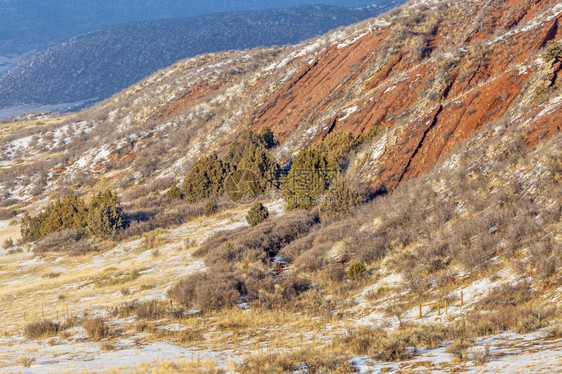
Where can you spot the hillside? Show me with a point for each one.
(437, 247)
(93, 66)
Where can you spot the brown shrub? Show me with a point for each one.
(7, 213)
(8, 243)
(150, 309)
(207, 292)
(96, 328)
(68, 241)
(508, 294)
(41, 329)
(307, 361)
(258, 243)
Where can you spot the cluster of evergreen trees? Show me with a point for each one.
(101, 218)
(314, 178)
(208, 175)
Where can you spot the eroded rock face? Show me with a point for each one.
(428, 74)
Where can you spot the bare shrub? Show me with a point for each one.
(7, 213)
(259, 243)
(41, 329)
(507, 294)
(8, 202)
(8, 243)
(150, 309)
(309, 361)
(459, 348)
(96, 328)
(207, 292)
(68, 241)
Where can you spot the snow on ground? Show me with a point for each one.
(349, 111)
(77, 356)
(29, 292)
(508, 353)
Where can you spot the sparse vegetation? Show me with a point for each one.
(383, 260)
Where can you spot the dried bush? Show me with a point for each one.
(7, 213)
(207, 291)
(508, 294)
(41, 329)
(150, 309)
(309, 361)
(8, 243)
(68, 241)
(259, 243)
(96, 328)
(211, 206)
(8, 202)
(459, 348)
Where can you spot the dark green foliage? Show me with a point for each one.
(210, 207)
(205, 179)
(308, 179)
(174, 193)
(262, 164)
(103, 217)
(339, 201)
(553, 51)
(372, 133)
(268, 137)
(105, 214)
(356, 270)
(335, 147)
(68, 214)
(247, 143)
(209, 175)
(257, 214)
(31, 226)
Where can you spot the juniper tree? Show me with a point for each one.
(105, 214)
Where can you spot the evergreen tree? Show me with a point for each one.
(205, 179)
(31, 227)
(174, 193)
(268, 138)
(105, 214)
(308, 179)
(263, 165)
(339, 201)
(336, 147)
(247, 143)
(210, 207)
(70, 213)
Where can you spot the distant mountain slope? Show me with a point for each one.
(95, 65)
(37, 24)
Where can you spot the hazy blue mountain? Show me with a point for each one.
(97, 64)
(36, 24)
